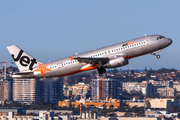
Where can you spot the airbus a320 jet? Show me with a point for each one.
(113, 56)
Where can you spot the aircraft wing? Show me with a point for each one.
(92, 61)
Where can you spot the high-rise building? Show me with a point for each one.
(26, 90)
(51, 91)
(56, 91)
(31, 90)
(6, 90)
(102, 89)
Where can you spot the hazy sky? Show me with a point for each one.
(50, 30)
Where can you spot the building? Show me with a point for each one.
(91, 114)
(160, 103)
(164, 103)
(6, 90)
(31, 90)
(161, 114)
(177, 86)
(166, 92)
(45, 115)
(76, 90)
(131, 86)
(156, 86)
(51, 91)
(4, 111)
(110, 103)
(26, 90)
(145, 87)
(102, 89)
(138, 103)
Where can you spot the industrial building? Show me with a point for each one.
(163, 103)
(109, 103)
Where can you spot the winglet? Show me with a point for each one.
(71, 58)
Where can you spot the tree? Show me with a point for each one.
(145, 69)
(128, 114)
(112, 115)
(138, 94)
(132, 72)
(140, 113)
(153, 95)
(135, 109)
(114, 71)
(125, 94)
(178, 115)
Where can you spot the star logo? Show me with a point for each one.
(43, 68)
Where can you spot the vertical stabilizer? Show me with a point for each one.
(24, 61)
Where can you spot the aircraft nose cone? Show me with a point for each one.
(169, 41)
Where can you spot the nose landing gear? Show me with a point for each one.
(154, 53)
(158, 56)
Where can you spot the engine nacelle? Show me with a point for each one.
(116, 62)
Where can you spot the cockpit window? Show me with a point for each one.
(160, 37)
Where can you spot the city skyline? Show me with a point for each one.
(53, 30)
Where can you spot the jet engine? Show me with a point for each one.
(116, 62)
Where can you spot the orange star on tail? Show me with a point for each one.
(43, 68)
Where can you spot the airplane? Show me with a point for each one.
(113, 56)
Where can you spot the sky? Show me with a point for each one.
(50, 30)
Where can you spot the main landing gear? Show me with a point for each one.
(101, 70)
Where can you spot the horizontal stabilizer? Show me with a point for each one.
(22, 73)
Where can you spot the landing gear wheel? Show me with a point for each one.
(158, 56)
(101, 70)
